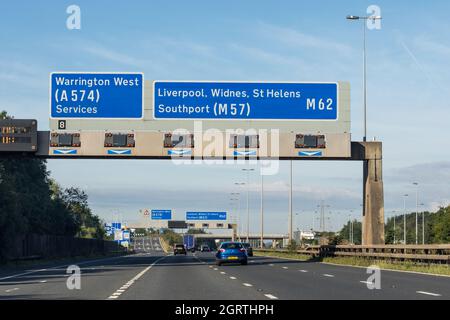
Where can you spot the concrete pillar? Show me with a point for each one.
(373, 204)
(234, 234)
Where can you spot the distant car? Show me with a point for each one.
(231, 252)
(249, 249)
(205, 249)
(179, 249)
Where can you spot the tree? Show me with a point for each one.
(345, 233)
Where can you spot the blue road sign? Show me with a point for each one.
(161, 214)
(108, 229)
(96, 95)
(116, 226)
(196, 215)
(245, 100)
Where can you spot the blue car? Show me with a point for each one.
(231, 252)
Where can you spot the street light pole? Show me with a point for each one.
(364, 18)
(262, 211)
(417, 210)
(404, 218)
(248, 204)
(239, 210)
(394, 225)
(290, 204)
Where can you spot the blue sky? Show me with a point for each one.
(408, 92)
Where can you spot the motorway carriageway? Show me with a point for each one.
(154, 275)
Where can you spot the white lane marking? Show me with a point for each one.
(58, 267)
(285, 268)
(221, 272)
(233, 278)
(328, 275)
(367, 282)
(216, 269)
(270, 296)
(210, 266)
(271, 265)
(304, 271)
(43, 281)
(136, 277)
(247, 284)
(429, 293)
(11, 290)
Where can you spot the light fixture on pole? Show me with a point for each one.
(364, 18)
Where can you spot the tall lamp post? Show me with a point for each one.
(393, 211)
(262, 211)
(364, 18)
(290, 204)
(404, 218)
(417, 210)
(240, 220)
(248, 206)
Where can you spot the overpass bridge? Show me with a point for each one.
(254, 238)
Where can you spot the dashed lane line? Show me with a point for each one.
(271, 296)
(247, 284)
(132, 281)
(328, 275)
(429, 293)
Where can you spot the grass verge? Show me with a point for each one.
(289, 255)
(436, 269)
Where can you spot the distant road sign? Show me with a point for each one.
(196, 215)
(161, 214)
(177, 224)
(96, 95)
(17, 135)
(245, 100)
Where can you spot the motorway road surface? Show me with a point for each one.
(154, 275)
